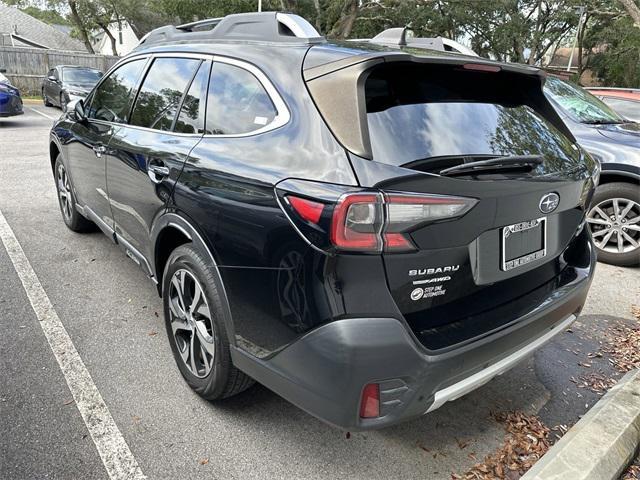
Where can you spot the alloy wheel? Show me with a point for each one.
(64, 192)
(615, 225)
(191, 323)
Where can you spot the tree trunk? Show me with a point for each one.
(112, 39)
(633, 9)
(342, 28)
(80, 26)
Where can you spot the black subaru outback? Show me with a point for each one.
(368, 232)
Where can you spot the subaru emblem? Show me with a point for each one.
(549, 202)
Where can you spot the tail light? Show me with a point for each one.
(373, 222)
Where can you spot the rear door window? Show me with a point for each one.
(237, 102)
(191, 117)
(161, 92)
(113, 96)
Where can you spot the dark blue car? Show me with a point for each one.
(10, 100)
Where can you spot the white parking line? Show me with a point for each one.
(41, 113)
(112, 448)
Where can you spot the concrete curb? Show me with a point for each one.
(602, 443)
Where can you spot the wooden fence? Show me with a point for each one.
(26, 67)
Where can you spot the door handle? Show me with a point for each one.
(157, 171)
(99, 150)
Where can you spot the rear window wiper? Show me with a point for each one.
(512, 162)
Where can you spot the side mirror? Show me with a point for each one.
(77, 107)
(3, 70)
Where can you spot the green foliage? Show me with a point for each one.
(524, 31)
(618, 62)
(52, 17)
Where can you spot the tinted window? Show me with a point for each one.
(578, 103)
(237, 102)
(191, 118)
(113, 97)
(162, 91)
(413, 117)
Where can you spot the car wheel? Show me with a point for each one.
(614, 220)
(63, 102)
(194, 321)
(45, 100)
(66, 199)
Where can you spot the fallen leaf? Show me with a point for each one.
(68, 402)
(152, 333)
(204, 461)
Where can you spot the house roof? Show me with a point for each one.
(30, 31)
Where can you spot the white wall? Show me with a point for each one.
(124, 43)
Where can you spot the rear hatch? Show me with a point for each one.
(483, 136)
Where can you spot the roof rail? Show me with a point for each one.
(258, 27)
(200, 24)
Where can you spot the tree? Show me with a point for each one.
(633, 9)
(80, 25)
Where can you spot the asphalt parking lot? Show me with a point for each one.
(112, 314)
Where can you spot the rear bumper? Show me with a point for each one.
(325, 371)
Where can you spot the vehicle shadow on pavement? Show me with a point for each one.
(463, 428)
(12, 124)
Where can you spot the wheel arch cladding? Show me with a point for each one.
(169, 238)
(613, 176)
(54, 151)
(167, 233)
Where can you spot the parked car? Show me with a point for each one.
(10, 100)
(65, 83)
(614, 218)
(368, 233)
(625, 101)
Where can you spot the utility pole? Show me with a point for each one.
(259, 5)
(582, 10)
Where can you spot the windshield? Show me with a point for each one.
(80, 75)
(580, 104)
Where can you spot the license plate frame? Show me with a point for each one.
(527, 258)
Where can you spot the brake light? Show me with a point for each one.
(370, 222)
(307, 209)
(481, 67)
(370, 401)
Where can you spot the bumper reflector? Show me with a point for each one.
(370, 401)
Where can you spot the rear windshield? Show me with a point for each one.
(81, 75)
(418, 113)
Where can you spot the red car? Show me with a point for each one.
(625, 101)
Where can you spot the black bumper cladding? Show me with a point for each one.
(325, 371)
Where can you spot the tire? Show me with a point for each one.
(616, 236)
(198, 336)
(67, 201)
(45, 100)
